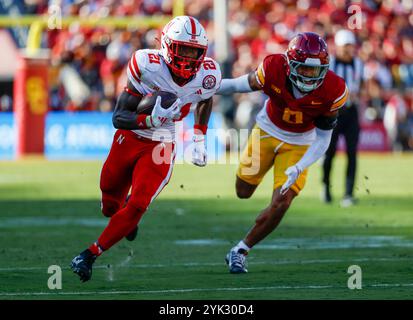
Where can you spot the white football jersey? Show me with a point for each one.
(148, 72)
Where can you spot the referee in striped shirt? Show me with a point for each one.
(350, 68)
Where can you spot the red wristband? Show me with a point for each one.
(141, 121)
(201, 127)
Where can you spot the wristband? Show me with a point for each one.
(144, 121)
(200, 128)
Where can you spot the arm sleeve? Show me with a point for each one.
(317, 149)
(124, 117)
(326, 122)
(230, 86)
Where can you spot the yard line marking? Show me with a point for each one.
(51, 222)
(386, 285)
(314, 243)
(206, 264)
(312, 287)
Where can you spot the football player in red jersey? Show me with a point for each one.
(142, 155)
(292, 131)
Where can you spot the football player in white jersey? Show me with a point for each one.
(180, 67)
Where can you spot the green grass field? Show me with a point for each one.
(49, 212)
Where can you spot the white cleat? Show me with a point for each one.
(236, 261)
(348, 201)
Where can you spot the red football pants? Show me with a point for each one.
(135, 162)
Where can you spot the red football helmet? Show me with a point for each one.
(308, 61)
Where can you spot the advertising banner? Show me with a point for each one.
(88, 135)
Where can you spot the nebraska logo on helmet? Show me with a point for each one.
(209, 82)
(184, 45)
(308, 61)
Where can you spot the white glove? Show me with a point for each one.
(160, 115)
(199, 153)
(292, 174)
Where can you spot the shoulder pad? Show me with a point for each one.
(211, 73)
(148, 60)
(269, 66)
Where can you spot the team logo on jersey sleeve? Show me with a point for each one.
(209, 82)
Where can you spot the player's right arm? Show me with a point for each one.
(246, 83)
(125, 116)
(258, 79)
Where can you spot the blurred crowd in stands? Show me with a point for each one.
(88, 65)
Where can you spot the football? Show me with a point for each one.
(147, 103)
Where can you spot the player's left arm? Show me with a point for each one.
(324, 129)
(202, 114)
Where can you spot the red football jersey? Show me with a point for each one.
(292, 114)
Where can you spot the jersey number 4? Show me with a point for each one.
(291, 116)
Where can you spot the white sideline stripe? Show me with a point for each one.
(313, 287)
(206, 264)
(314, 243)
(51, 222)
(386, 285)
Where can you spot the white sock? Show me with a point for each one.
(242, 245)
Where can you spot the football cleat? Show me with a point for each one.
(236, 261)
(82, 265)
(348, 201)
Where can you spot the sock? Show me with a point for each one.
(96, 249)
(120, 225)
(242, 245)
